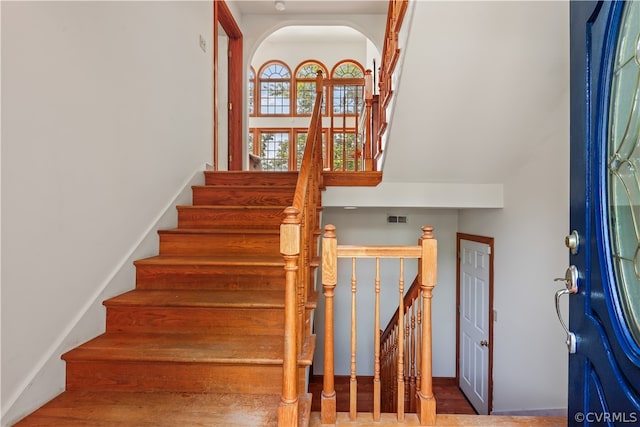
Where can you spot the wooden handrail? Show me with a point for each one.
(298, 244)
(390, 56)
(403, 346)
(391, 339)
(412, 294)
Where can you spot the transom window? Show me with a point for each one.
(348, 70)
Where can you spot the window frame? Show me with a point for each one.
(260, 81)
(298, 79)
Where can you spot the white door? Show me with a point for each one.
(474, 323)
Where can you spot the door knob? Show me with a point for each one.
(484, 343)
(570, 280)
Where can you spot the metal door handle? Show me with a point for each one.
(571, 287)
(484, 343)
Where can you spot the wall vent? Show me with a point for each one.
(397, 219)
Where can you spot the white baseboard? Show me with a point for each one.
(556, 412)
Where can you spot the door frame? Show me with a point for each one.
(490, 242)
(223, 17)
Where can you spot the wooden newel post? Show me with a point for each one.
(427, 271)
(329, 280)
(290, 249)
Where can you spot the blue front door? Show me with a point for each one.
(604, 313)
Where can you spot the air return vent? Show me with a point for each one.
(397, 219)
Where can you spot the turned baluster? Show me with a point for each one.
(353, 381)
(400, 366)
(376, 347)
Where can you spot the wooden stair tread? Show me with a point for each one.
(249, 231)
(240, 187)
(232, 207)
(257, 261)
(187, 348)
(158, 409)
(199, 298)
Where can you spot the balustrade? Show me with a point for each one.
(402, 354)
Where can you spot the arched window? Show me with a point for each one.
(306, 86)
(275, 89)
(251, 92)
(348, 70)
(347, 103)
(347, 96)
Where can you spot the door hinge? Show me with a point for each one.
(489, 250)
(230, 106)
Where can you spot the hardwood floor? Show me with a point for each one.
(449, 420)
(450, 398)
(453, 408)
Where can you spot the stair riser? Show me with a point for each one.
(210, 277)
(180, 377)
(219, 244)
(250, 178)
(276, 196)
(196, 320)
(219, 217)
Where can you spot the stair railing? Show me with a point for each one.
(299, 234)
(391, 339)
(426, 254)
(389, 61)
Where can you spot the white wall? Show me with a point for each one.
(368, 226)
(530, 357)
(106, 118)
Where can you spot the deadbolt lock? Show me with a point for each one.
(572, 241)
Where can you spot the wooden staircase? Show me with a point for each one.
(200, 339)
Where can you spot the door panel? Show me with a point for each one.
(604, 372)
(474, 320)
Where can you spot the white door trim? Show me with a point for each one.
(489, 310)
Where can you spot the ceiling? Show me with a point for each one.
(311, 33)
(312, 7)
